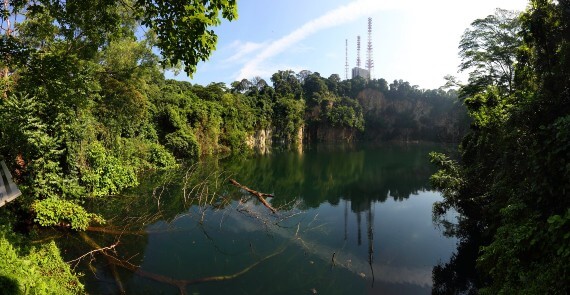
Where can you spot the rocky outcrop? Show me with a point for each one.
(261, 140)
(410, 118)
(326, 133)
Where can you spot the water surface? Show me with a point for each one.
(350, 220)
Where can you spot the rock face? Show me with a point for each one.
(300, 132)
(326, 133)
(261, 140)
(388, 116)
(410, 119)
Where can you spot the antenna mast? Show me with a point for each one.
(369, 61)
(358, 51)
(346, 59)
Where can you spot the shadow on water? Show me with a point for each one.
(346, 225)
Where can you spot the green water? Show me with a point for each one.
(350, 220)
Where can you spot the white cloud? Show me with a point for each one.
(335, 17)
(242, 50)
(268, 69)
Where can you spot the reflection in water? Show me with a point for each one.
(184, 241)
(370, 225)
(324, 173)
(459, 275)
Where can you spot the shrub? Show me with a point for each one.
(183, 144)
(106, 174)
(54, 211)
(41, 271)
(160, 157)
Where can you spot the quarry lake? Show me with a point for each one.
(349, 220)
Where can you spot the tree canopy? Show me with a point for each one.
(181, 30)
(488, 51)
(512, 181)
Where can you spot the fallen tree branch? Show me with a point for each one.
(181, 284)
(109, 257)
(94, 251)
(260, 196)
(114, 231)
(118, 231)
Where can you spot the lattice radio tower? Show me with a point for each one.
(358, 51)
(346, 59)
(369, 60)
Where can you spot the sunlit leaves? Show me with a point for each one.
(38, 270)
(57, 212)
(182, 27)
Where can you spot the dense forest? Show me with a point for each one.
(511, 184)
(85, 110)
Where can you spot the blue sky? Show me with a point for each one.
(413, 40)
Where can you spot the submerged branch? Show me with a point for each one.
(114, 231)
(260, 196)
(109, 257)
(111, 247)
(181, 284)
(118, 231)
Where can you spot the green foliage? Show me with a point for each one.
(38, 270)
(183, 144)
(174, 24)
(160, 157)
(285, 83)
(449, 180)
(104, 174)
(42, 271)
(27, 133)
(533, 272)
(182, 27)
(489, 50)
(559, 233)
(123, 109)
(347, 113)
(289, 114)
(514, 174)
(57, 212)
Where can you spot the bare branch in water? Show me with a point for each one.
(260, 196)
(78, 259)
(181, 284)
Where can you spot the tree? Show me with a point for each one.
(333, 82)
(258, 83)
(288, 118)
(241, 86)
(302, 75)
(314, 84)
(286, 83)
(512, 181)
(488, 50)
(378, 84)
(181, 28)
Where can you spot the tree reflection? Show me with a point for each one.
(329, 174)
(459, 274)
